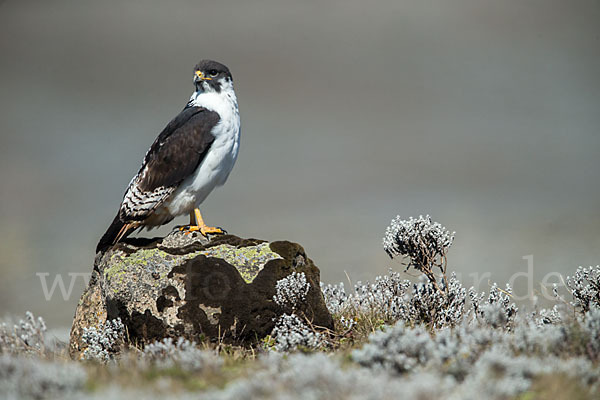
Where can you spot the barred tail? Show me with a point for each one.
(115, 232)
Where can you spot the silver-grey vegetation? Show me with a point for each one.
(393, 337)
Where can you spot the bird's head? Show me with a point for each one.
(211, 76)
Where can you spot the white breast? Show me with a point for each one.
(218, 162)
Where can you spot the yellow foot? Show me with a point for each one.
(204, 230)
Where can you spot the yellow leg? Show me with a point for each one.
(197, 224)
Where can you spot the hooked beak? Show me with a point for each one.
(200, 77)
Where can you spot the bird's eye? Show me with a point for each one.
(213, 72)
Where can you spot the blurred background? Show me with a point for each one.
(483, 113)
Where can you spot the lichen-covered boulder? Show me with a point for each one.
(187, 286)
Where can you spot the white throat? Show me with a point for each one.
(223, 103)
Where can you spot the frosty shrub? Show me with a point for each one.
(103, 342)
(384, 296)
(30, 378)
(533, 338)
(591, 326)
(497, 309)
(391, 298)
(423, 242)
(291, 291)
(401, 349)
(397, 349)
(584, 286)
(425, 304)
(25, 336)
(546, 317)
(335, 297)
(499, 375)
(291, 333)
(182, 353)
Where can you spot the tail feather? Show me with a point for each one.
(115, 232)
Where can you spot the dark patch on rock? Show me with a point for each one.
(145, 328)
(219, 302)
(162, 302)
(142, 242)
(171, 291)
(169, 296)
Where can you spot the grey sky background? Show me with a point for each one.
(483, 113)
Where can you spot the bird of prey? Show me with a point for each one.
(193, 154)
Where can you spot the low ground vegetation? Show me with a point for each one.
(428, 339)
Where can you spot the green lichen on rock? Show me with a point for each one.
(122, 263)
(141, 257)
(144, 256)
(116, 270)
(126, 266)
(249, 260)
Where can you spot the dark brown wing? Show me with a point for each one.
(174, 156)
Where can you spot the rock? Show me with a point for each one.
(184, 285)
